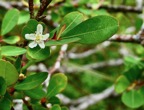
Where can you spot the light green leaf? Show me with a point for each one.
(57, 83)
(12, 51)
(11, 39)
(38, 53)
(71, 20)
(23, 17)
(94, 30)
(3, 86)
(32, 81)
(133, 99)
(56, 107)
(8, 72)
(122, 83)
(61, 42)
(9, 21)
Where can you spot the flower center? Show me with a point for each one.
(38, 38)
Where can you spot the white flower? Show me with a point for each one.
(37, 37)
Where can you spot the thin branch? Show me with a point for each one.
(43, 6)
(31, 9)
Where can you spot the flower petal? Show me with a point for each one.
(39, 29)
(41, 44)
(45, 37)
(32, 44)
(30, 36)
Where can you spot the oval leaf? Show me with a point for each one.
(11, 39)
(94, 30)
(5, 104)
(8, 72)
(122, 83)
(32, 81)
(133, 99)
(38, 53)
(12, 51)
(56, 107)
(3, 86)
(9, 21)
(57, 83)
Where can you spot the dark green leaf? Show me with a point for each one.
(57, 83)
(38, 53)
(94, 30)
(9, 21)
(32, 81)
(5, 104)
(18, 64)
(3, 86)
(8, 72)
(54, 100)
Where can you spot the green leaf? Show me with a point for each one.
(61, 42)
(56, 107)
(11, 39)
(23, 17)
(5, 104)
(38, 53)
(32, 81)
(54, 100)
(36, 93)
(18, 64)
(9, 21)
(8, 72)
(12, 51)
(64, 108)
(57, 83)
(71, 20)
(133, 99)
(94, 30)
(122, 83)
(3, 86)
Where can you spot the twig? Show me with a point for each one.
(43, 6)
(31, 9)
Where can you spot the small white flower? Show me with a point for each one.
(37, 37)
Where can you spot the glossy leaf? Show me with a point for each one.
(133, 99)
(36, 93)
(57, 83)
(122, 83)
(11, 39)
(71, 20)
(8, 72)
(32, 81)
(38, 53)
(94, 30)
(23, 17)
(12, 51)
(3, 86)
(9, 21)
(54, 100)
(56, 107)
(61, 42)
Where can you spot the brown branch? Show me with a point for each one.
(31, 9)
(43, 6)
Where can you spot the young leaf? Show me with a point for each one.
(56, 107)
(71, 20)
(11, 39)
(32, 81)
(3, 86)
(122, 84)
(57, 83)
(38, 53)
(9, 21)
(12, 51)
(133, 99)
(94, 30)
(8, 72)
(23, 17)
